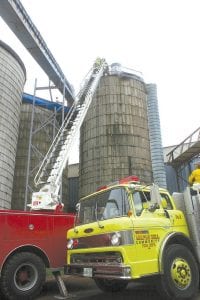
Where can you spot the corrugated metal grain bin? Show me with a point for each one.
(12, 79)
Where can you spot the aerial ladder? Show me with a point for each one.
(49, 175)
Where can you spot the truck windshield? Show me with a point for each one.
(107, 205)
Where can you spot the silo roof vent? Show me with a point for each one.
(118, 70)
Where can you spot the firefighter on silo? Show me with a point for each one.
(97, 64)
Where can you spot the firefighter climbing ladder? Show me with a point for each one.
(51, 169)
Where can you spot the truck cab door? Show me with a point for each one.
(150, 228)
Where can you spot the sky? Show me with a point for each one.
(159, 38)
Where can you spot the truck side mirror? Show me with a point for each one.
(155, 194)
(153, 207)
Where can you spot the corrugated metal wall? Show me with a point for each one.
(12, 79)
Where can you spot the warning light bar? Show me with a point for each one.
(132, 178)
(128, 179)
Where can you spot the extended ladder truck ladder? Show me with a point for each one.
(49, 175)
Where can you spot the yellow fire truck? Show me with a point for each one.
(128, 231)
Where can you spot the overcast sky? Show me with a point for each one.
(160, 38)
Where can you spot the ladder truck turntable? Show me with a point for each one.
(127, 231)
(34, 240)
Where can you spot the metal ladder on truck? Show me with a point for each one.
(49, 175)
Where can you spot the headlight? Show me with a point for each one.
(116, 239)
(70, 244)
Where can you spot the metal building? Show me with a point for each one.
(114, 139)
(73, 187)
(12, 79)
(180, 160)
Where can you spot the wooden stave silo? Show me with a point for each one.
(114, 139)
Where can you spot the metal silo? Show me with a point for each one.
(158, 167)
(114, 139)
(12, 79)
(45, 126)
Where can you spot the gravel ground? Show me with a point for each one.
(86, 289)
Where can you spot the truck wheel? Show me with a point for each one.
(180, 279)
(23, 276)
(111, 285)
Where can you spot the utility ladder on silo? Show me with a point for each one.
(50, 172)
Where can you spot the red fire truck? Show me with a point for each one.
(35, 240)
(30, 243)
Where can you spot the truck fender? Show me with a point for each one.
(175, 238)
(28, 248)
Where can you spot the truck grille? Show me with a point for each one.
(98, 265)
(108, 258)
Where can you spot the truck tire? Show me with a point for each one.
(180, 279)
(23, 276)
(111, 285)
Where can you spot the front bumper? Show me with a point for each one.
(99, 271)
